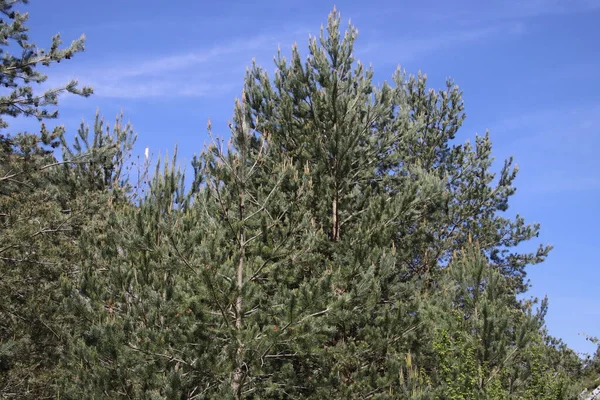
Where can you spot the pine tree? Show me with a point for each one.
(395, 195)
(489, 344)
(328, 116)
(19, 70)
(361, 140)
(326, 252)
(199, 292)
(135, 301)
(265, 238)
(44, 205)
(477, 196)
(44, 213)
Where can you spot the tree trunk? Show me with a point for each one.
(335, 228)
(238, 374)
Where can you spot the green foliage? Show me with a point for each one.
(45, 203)
(45, 206)
(458, 369)
(19, 68)
(341, 246)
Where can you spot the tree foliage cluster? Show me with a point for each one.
(342, 244)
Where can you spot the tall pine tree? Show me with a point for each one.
(326, 252)
(45, 201)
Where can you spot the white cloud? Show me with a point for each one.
(406, 49)
(170, 63)
(417, 46)
(455, 24)
(211, 71)
(165, 89)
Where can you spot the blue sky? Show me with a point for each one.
(528, 69)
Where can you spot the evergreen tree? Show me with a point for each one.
(369, 152)
(341, 246)
(360, 140)
(44, 213)
(199, 293)
(328, 116)
(20, 68)
(43, 206)
(138, 336)
(475, 204)
(315, 256)
(481, 336)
